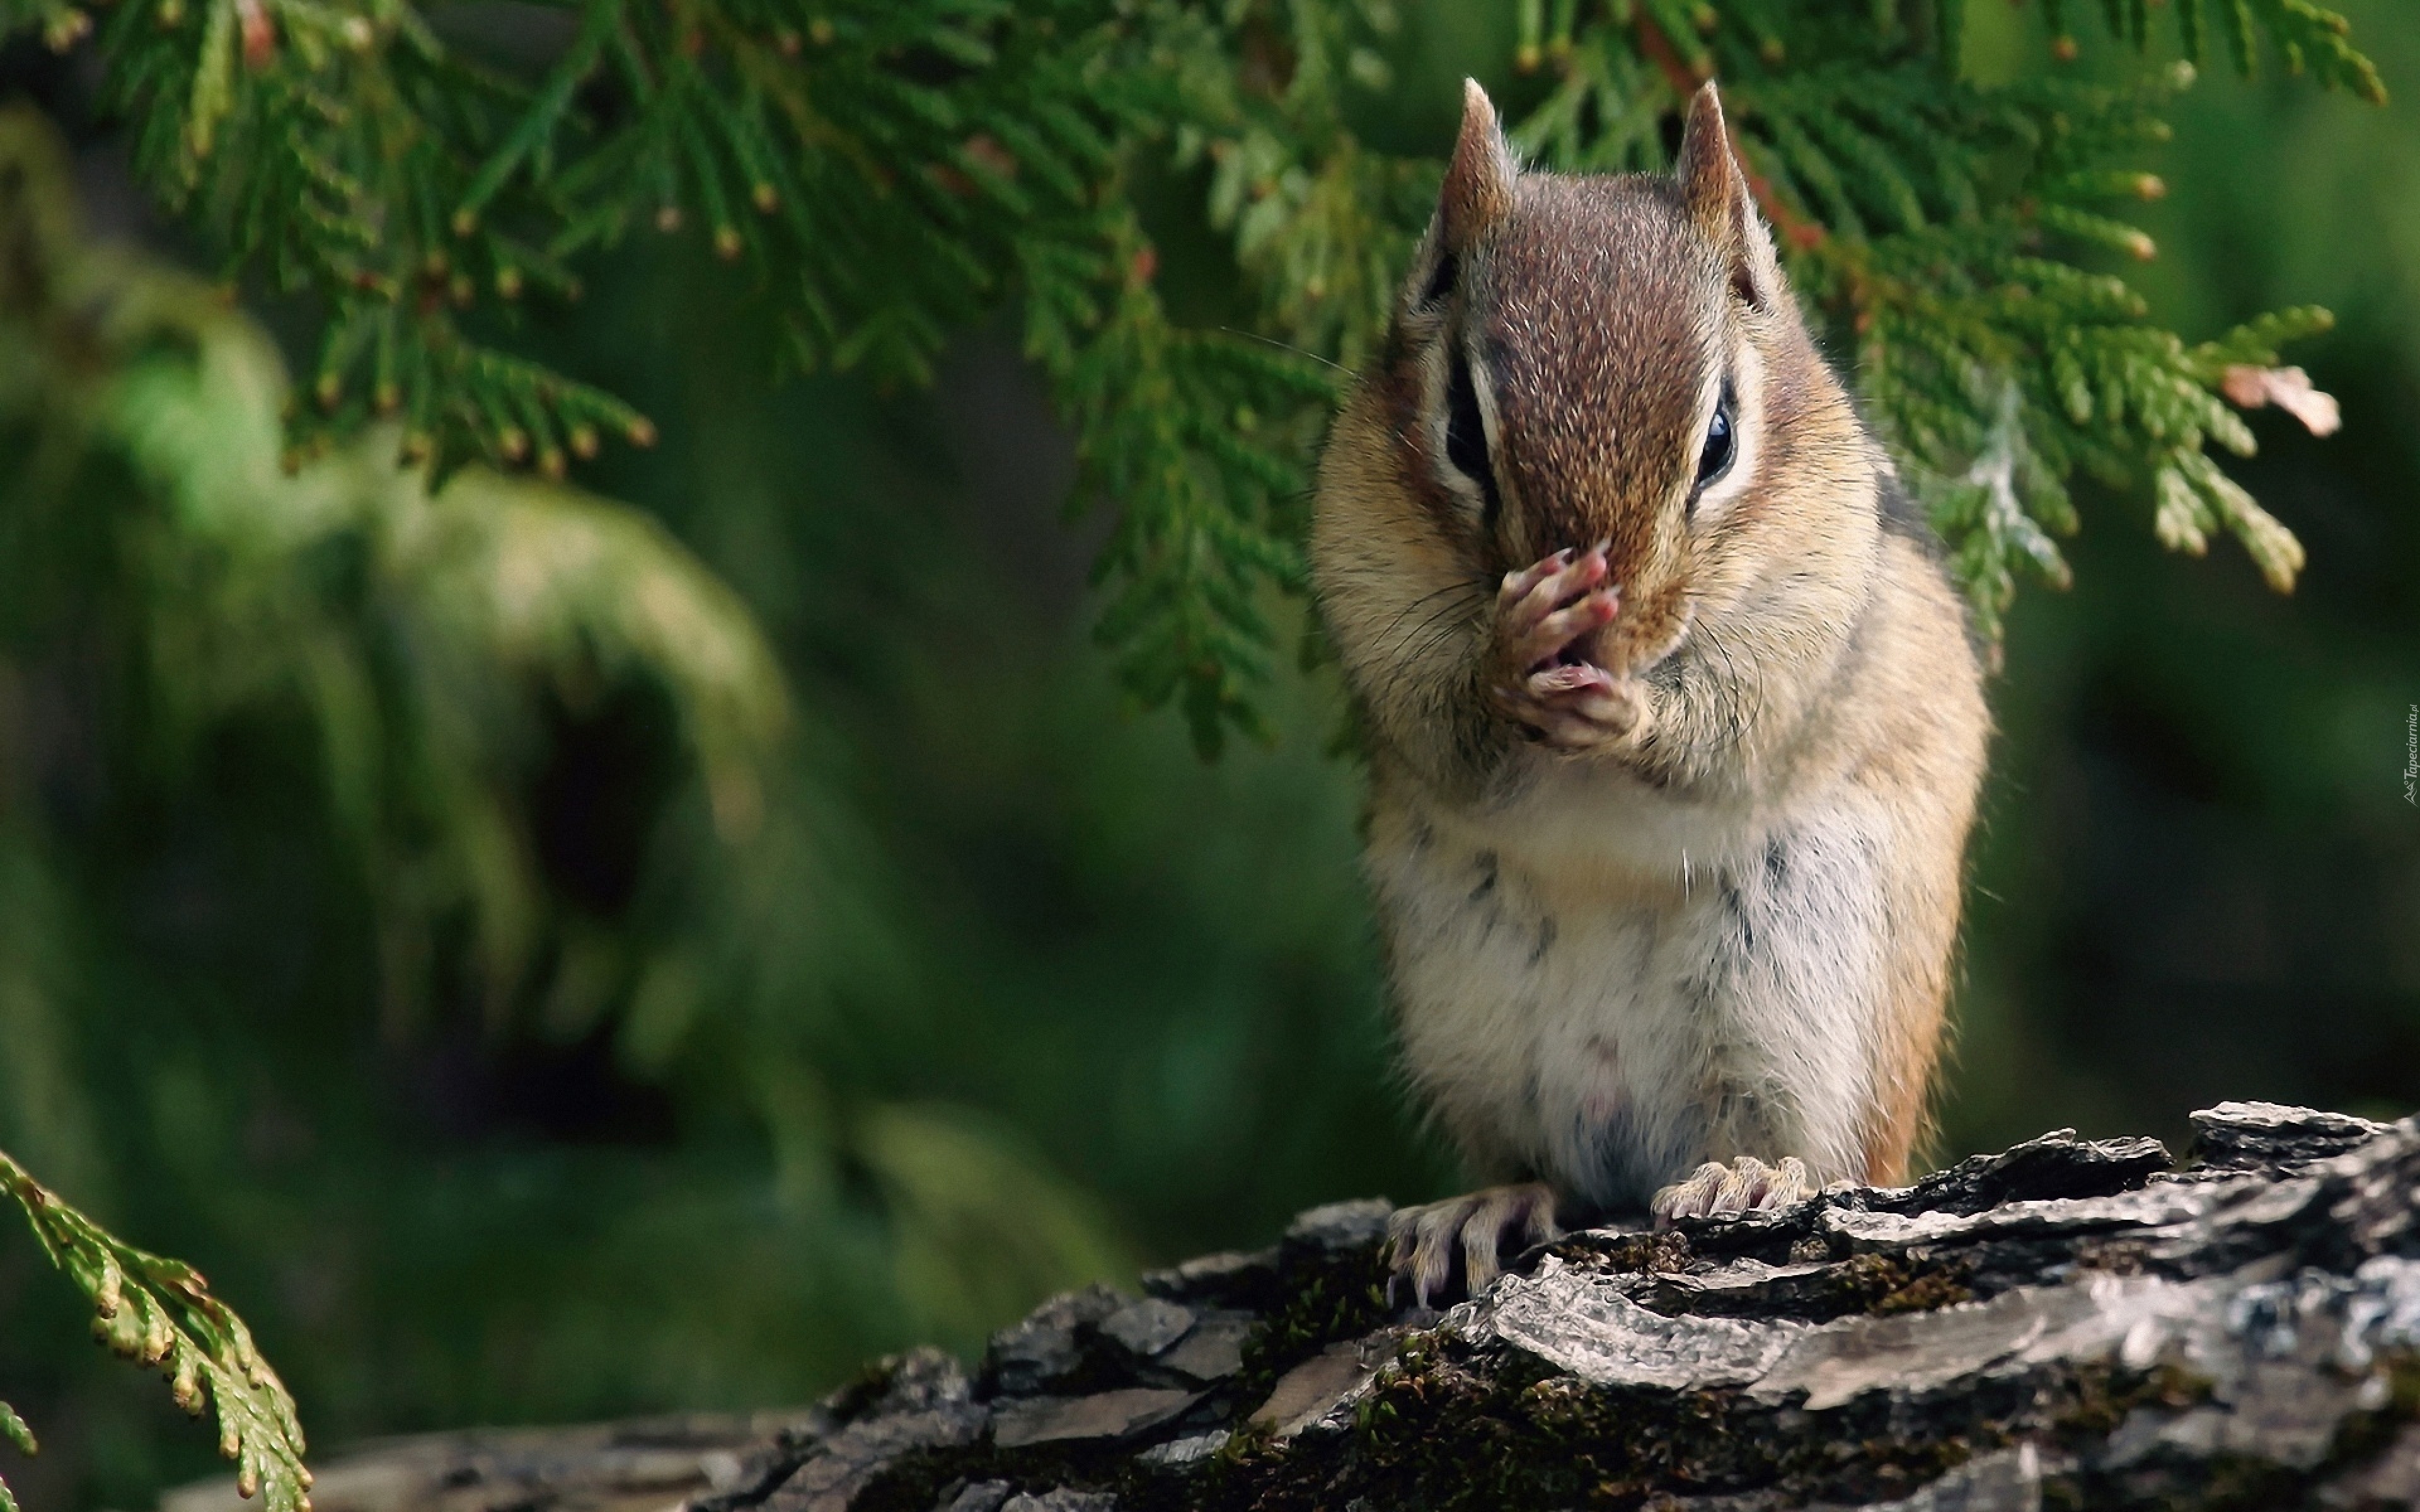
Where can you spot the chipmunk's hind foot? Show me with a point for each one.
(1424, 1244)
(1746, 1185)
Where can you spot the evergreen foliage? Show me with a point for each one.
(160, 1313)
(891, 170)
(201, 586)
(176, 597)
(418, 634)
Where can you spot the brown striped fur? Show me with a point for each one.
(1705, 909)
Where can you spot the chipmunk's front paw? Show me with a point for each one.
(1539, 679)
(1746, 1185)
(1423, 1242)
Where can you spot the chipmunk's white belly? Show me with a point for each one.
(1607, 1010)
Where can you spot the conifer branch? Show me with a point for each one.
(887, 172)
(160, 1313)
(13, 1428)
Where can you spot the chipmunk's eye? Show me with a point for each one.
(1716, 459)
(1465, 434)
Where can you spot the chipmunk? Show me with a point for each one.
(1673, 725)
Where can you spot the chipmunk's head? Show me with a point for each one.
(1577, 359)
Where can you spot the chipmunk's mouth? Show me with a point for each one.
(1633, 645)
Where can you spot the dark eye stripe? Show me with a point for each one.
(1465, 434)
(1441, 282)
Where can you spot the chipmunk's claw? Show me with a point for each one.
(1574, 708)
(1423, 1242)
(1746, 1185)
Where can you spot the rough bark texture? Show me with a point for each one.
(2072, 1323)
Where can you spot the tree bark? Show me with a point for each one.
(2071, 1323)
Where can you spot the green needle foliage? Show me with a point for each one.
(890, 171)
(180, 614)
(282, 723)
(13, 1428)
(411, 629)
(160, 1313)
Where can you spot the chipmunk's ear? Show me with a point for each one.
(1478, 193)
(1714, 188)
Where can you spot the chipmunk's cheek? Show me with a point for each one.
(1667, 675)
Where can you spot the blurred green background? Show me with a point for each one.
(984, 986)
